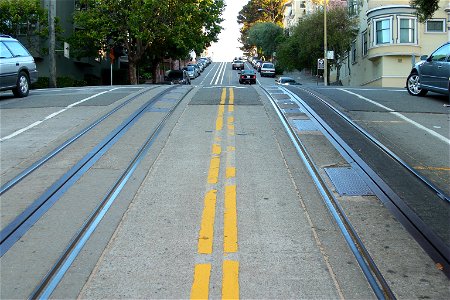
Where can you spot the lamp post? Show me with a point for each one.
(325, 61)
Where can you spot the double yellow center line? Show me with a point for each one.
(230, 267)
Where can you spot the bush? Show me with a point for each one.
(65, 81)
(279, 70)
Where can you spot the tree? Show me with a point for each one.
(425, 8)
(149, 29)
(259, 11)
(266, 37)
(24, 17)
(303, 48)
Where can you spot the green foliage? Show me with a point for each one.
(306, 44)
(64, 81)
(147, 29)
(425, 8)
(256, 11)
(266, 37)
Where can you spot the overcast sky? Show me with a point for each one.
(228, 46)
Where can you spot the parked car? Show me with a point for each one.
(197, 69)
(191, 71)
(267, 69)
(432, 73)
(247, 76)
(286, 81)
(17, 67)
(177, 77)
(237, 65)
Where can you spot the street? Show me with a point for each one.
(205, 193)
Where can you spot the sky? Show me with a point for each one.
(228, 45)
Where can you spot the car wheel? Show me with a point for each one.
(22, 86)
(412, 85)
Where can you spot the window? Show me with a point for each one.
(365, 40)
(383, 31)
(441, 53)
(16, 48)
(406, 30)
(435, 25)
(353, 52)
(353, 7)
(4, 52)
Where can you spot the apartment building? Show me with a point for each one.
(390, 41)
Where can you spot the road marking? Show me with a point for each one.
(432, 168)
(52, 115)
(231, 100)
(206, 235)
(223, 96)
(200, 287)
(390, 110)
(230, 172)
(230, 244)
(213, 174)
(230, 279)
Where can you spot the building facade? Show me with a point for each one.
(390, 39)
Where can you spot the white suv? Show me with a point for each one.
(17, 67)
(267, 69)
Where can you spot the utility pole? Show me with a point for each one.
(325, 61)
(52, 42)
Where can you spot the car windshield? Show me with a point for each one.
(268, 66)
(238, 61)
(249, 72)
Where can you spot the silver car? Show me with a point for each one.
(17, 67)
(431, 74)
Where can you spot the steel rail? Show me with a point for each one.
(374, 277)
(51, 280)
(22, 223)
(424, 235)
(4, 188)
(440, 193)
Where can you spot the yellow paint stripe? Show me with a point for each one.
(219, 120)
(230, 108)
(230, 172)
(432, 168)
(223, 96)
(230, 220)
(200, 287)
(231, 99)
(206, 234)
(216, 149)
(231, 148)
(213, 174)
(230, 280)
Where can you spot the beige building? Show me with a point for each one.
(389, 42)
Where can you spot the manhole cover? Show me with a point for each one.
(348, 182)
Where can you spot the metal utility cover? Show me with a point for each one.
(292, 110)
(305, 125)
(348, 182)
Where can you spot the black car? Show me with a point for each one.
(247, 76)
(431, 74)
(177, 77)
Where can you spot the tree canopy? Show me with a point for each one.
(146, 28)
(425, 8)
(259, 11)
(266, 37)
(305, 45)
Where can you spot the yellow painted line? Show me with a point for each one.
(230, 280)
(231, 99)
(206, 234)
(223, 96)
(432, 168)
(230, 120)
(216, 149)
(230, 172)
(219, 120)
(213, 174)
(230, 244)
(231, 148)
(200, 286)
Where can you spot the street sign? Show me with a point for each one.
(66, 50)
(330, 54)
(320, 63)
